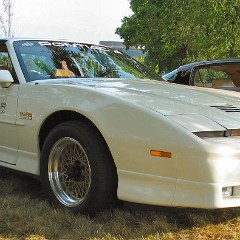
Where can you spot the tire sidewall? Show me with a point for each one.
(90, 148)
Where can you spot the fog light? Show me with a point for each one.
(227, 191)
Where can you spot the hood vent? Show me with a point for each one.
(227, 108)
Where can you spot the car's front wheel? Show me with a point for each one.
(77, 169)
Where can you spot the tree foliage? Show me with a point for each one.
(6, 17)
(174, 32)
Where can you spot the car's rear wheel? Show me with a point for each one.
(77, 169)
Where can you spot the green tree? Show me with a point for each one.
(174, 32)
(220, 27)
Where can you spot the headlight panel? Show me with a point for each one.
(213, 134)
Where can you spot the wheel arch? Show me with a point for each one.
(63, 116)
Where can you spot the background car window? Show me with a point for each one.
(207, 77)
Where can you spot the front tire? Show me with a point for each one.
(77, 169)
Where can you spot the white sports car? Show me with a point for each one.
(89, 121)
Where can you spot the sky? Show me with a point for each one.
(87, 21)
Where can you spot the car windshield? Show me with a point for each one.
(49, 60)
(170, 76)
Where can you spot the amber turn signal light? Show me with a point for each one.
(157, 153)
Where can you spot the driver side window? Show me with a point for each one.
(5, 61)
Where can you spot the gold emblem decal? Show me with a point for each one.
(26, 115)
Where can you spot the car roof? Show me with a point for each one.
(208, 62)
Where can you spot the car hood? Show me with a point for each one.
(222, 107)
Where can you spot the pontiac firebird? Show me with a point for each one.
(96, 126)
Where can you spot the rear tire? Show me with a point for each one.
(77, 169)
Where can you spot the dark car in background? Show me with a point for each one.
(222, 74)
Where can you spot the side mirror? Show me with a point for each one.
(6, 78)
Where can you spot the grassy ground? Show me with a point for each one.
(25, 214)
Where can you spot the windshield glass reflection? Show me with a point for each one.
(50, 60)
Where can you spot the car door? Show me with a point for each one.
(8, 107)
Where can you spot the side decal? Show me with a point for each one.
(26, 115)
(2, 107)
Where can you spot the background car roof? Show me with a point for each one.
(208, 62)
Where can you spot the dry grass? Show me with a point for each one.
(25, 214)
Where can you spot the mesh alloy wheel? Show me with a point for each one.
(69, 172)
